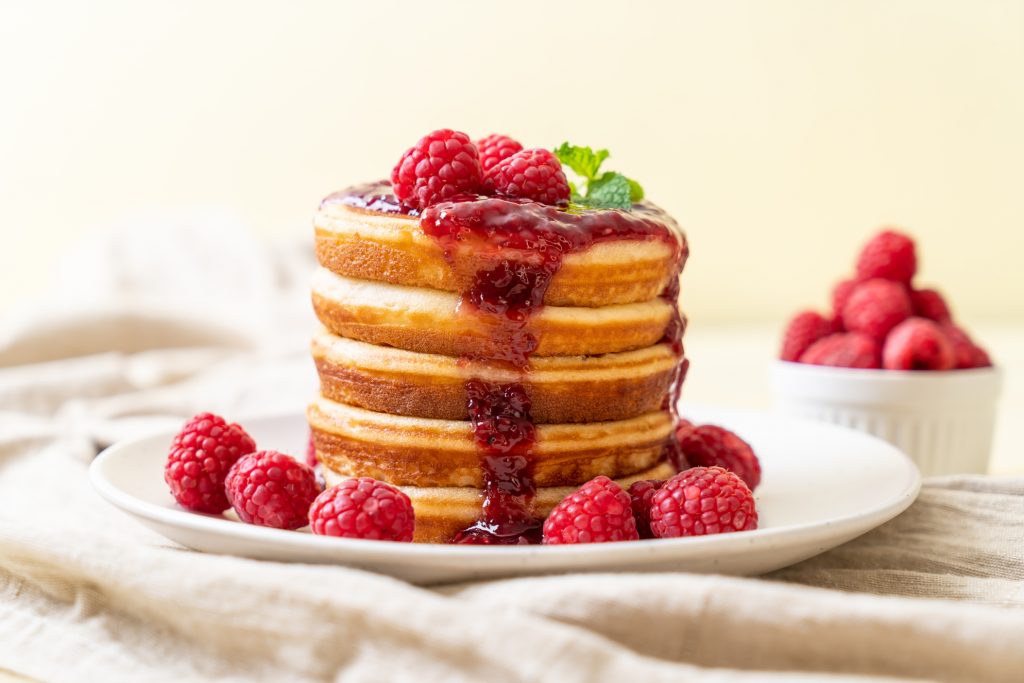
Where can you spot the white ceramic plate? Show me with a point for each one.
(821, 486)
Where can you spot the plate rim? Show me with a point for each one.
(370, 550)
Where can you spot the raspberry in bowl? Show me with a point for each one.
(890, 359)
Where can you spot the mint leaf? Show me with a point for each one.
(574, 194)
(636, 193)
(582, 160)
(610, 191)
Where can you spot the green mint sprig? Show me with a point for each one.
(608, 190)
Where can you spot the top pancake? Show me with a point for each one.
(390, 247)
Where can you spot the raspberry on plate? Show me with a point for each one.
(966, 353)
(844, 350)
(442, 165)
(531, 174)
(201, 455)
(494, 148)
(701, 501)
(599, 512)
(875, 307)
(363, 508)
(889, 255)
(803, 330)
(684, 427)
(272, 489)
(929, 303)
(640, 495)
(709, 445)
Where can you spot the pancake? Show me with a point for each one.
(391, 247)
(613, 386)
(429, 321)
(410, 451)
(442, 512)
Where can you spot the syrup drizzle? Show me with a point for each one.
(522, 244)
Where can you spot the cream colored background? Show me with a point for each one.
(780, 133)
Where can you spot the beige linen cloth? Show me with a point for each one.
(150, 324)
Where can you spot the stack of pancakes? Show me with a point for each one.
(398, 349)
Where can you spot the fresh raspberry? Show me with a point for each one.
(928, 303)
(442, 165)
(701, 501)
(966, 353)
(844, 350)
(640, 495)
(200, 457)
(311, 452)
(840, 295)
(494, 148)
(889, 255)
(684, 427)
(599, 512)
(917, 344)
(531, 174)
(271, 489)
(875, 307)
(363, 508)
(708, 446)
(803, 330)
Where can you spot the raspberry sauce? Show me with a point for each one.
(522, 244)
(504, 434)
(674, 337)
(373, 196)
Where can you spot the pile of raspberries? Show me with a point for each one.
(214, 466)
(880, 319)
(446, 165)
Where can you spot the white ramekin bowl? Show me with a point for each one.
(943, 420)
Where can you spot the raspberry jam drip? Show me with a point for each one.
(374, 196)
(541, 230)
(504, 435)
(674, 337)
(522, 245)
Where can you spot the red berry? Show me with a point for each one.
(917, 344)
(599, 512)
(708, 446)
(201, 455)
(640, 495)
(889, 255)
(363, 508)
(966, 353)
(875, 307)
(494, 148)
(272, 489)
(701, 501)
(840, 295)
(442, 165)
(928, 303)
(684, 427)
(311, 452)
(844, 350)
(803, 330)
(531, 174)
